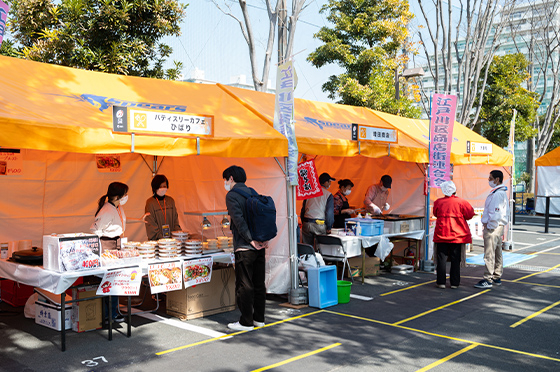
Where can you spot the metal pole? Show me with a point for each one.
(282, 32)
(547, 215)
(397, 88)
(427, 232)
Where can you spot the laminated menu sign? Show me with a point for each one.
(197, 271)
(165, 277)
(79, 253)
(121, 282)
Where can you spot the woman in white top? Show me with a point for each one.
(110, 219)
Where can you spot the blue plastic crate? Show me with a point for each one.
(365, 226)
(321, 285)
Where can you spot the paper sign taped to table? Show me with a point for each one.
(197, 271)
(121, 282)
(165, 277)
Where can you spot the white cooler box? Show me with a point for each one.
(48, 315)
(71, 252)
(352, 244)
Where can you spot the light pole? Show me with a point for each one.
(407, 74)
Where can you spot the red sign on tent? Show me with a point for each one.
(308, 181)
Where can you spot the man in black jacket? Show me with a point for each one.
(250, 289)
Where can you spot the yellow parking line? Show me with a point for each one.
(444, 336)
(234, 334)
(534, 314)
(540, 272)
(441, 307)
(297, 358)
(538, 284)
(537, 252)
(407, 288)
(449, 357)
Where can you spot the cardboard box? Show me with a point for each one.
(371, 266)
(86, 315)
(48, 315)
(217, 296)
(14, 293)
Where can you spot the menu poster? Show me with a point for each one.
(165, 277)
(108, 163)
(79, 253)
(121, 282)
(197, 271)
(11, 162)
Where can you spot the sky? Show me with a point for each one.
(212, 42)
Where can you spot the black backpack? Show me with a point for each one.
(261, 215)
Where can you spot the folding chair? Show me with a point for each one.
(332, 249)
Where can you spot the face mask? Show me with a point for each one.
(162, 191)
(492, 184)
(123, 200)
(227, 186)
(347, 192)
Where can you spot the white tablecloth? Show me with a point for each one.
(350, 242)
(57, 283)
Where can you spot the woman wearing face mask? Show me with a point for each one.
(163, 217)
(109, 225)
(110, 220)
(342, 209)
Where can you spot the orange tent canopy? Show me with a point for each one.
(550, 159)
(50, 107)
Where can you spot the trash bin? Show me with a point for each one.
(343, 288)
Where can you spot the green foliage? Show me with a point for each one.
(365, 41)
(504, 92)
(113, 36)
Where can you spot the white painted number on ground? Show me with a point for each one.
(92, 362)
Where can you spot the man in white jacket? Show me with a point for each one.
(494, 218)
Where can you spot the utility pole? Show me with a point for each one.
(282, 31)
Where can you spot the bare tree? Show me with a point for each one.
(261, 82)
(537, 35)
(468, 39)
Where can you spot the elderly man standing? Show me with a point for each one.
(317, 214)
(376, 196)
(451, 233)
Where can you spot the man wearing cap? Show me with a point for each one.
(317, 214)
(451, 233)
(376, 196)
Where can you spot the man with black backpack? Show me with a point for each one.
(250, 289)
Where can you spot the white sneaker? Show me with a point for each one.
(258, 324)
(238, 327)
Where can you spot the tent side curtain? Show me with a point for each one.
(49, 107)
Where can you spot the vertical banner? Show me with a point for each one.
(4, 9)
(284, 114)
(442, 119)
(308, 181)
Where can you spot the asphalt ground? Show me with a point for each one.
(401, 323)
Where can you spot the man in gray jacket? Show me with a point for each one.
(250, 289)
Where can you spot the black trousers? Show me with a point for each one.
(453, 250)
(250, 290)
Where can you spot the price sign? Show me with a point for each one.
(79, 253)
(197, 271)
(479, 148)
(165, 277)
(11, 162)
(121, 282)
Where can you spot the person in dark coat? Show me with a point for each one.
(250, 289)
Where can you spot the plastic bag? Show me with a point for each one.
(307, 260)
(384, 248)
(29, 309)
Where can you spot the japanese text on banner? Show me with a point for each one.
(121, 282)
(4, 10)
(442, 119)
(284, 114)
(197, 271)
(308, 181)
